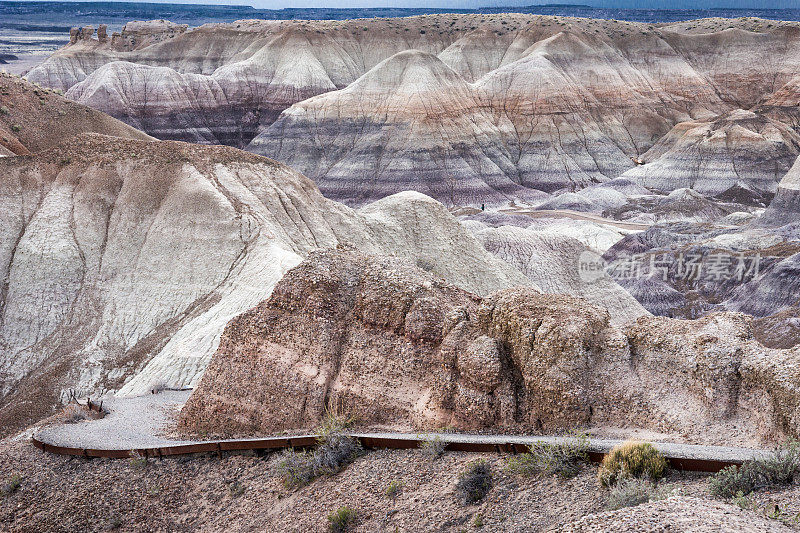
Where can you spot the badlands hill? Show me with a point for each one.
(468, 108)
(33, 118)
(123, 260)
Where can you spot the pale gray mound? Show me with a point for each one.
(678, 514)
(655, 295)
(553, 262)
(785, 207)
(123, 260)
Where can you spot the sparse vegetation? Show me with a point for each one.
(138, 462)
(777, 468)
(342, 519)
(11, 486)
(475, 482)
(394, 489)
(333, 452)
(564, 459)
(433, 446)
(236, 489)
(632, 460)
(633, 491)
(16, 128)
(4, 110)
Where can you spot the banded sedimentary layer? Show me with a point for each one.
(467, 108)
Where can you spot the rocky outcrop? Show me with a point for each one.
(33, 119)
(385, 342)
(397, 347)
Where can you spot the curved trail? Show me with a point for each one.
(137, 426)
(576, 215)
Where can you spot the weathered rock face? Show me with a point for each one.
(35, 119)
(123, 260)
(740, 149)
(397, 128)
(785, 207)
(467, 108)
(393, 344)
(385, 342)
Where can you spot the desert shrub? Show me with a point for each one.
(11, 486)
(75, 413)
(433, 447)
(475, 482)
(632, 460)
(633, 491)
(564, 458)
(16, 128)
(138, 462)
(333, 452)
(776, 468)
(236, 489)
(296, 469)
(332, 424)
(336, 452)
(4, 110)
(341, 519)
(394, 489)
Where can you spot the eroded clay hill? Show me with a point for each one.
(123, 260)
(384, 341)
(34, 118)
(467, 108)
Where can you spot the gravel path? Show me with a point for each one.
(576, 215)
(141, 422)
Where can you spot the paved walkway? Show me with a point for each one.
(142, 422)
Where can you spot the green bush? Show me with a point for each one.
(777, 468)
(632, 460)
(16, 128)
(341, 519)
(475, 482)
(564, 459)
